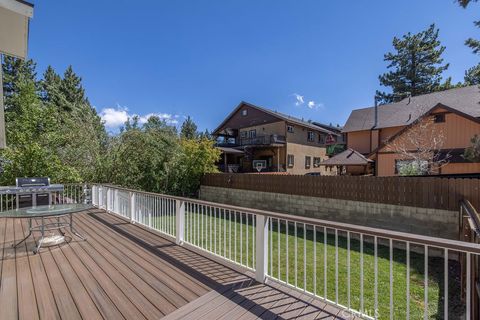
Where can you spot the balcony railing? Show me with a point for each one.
(263, 140)
(372, 273)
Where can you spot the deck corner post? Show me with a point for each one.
(132, 206)
(179, 221)
(261, 243)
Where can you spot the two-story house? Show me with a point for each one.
(377, 137)
(254, 139)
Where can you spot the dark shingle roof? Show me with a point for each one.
(466, 100)
(348, 157)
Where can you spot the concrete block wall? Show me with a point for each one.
(424, 221)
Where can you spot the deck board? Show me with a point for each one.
(125, 271)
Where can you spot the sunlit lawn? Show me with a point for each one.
(228, 238)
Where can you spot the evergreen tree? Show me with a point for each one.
(189, 129)
(417, 66)
(472, 76)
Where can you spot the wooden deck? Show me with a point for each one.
(124, 271)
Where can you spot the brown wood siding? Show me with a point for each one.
(359, 141)
(254, 117)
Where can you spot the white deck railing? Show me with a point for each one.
(368, 272)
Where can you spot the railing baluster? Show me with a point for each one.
(314, 260)
(408, 280)
(287, 226)
(246, 234)
(278, 249)
(375, 253)
(241, 237)
(425, 315)
(230, 234)
(325, 263)
(304, 257)
(445, 285)
(348, 270)
(391, 278)
(336, 266)
(469, 289)
(271, 247)
(362, 309)
(296, 249)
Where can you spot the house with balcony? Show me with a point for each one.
(380, 138)
(256, 139)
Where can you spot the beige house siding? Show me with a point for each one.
(300, 136)
(300, 151)
(266, 129)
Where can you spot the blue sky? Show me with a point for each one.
(201, 58)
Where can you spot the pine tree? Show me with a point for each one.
(189, 129)
(472, 76)
(417, 66)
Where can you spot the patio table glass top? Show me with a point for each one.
(46, 211)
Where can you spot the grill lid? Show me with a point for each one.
(33, 182)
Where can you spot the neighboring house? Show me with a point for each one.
(376, 132)
(256, 139)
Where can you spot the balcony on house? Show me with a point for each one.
(149, 256)
(267, 140)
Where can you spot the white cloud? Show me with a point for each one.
(299, 99)
(114, 118)
(311, 104)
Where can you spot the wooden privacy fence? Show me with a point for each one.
(425, 192)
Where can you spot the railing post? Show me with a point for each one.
(108, 196)
(132, 206)
(261, 246)
(179, 220)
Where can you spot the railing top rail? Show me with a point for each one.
(369, 231)
(472, 214)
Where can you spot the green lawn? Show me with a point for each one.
(203, 235)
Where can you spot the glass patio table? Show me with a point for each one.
(40, 213)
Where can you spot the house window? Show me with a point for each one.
(316, 161)
(243, 134)
(308, 161)
(322, 138)
(439, 118)
(244, 112)
(411, 167)
(252, 133)
(290, 160)
(290, 129)
(310, 136)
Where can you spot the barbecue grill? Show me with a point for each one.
(33, 191)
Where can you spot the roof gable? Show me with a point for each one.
(465, 100)
(257, 116)
(349, 157)
(438, 107)
(235, 120)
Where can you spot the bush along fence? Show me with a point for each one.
(424, 192)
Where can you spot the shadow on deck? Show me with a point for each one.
(124, 271)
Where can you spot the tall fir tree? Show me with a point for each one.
(189, 129)
(472, 75)
(416, 66)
